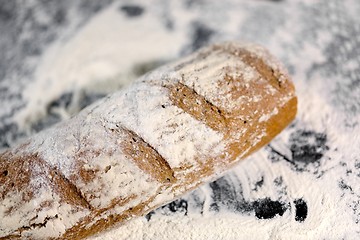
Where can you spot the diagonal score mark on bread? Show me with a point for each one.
(145, 156)
(170, 131)
(266, 71)
(197, 106)
(28, 166)
(33, 164)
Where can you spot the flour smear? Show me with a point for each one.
(99, 57)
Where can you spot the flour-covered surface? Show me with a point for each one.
(58, 57)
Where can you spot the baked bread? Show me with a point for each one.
(139, 148)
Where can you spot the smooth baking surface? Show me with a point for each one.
(57, 57)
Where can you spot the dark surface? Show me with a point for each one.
(301, 210)
(132, 10)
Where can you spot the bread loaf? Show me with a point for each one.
(139, 148)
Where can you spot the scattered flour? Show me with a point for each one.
(98, 56)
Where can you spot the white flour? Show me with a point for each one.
(101, 56)
(327, 213)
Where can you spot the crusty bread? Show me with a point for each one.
(134, 150)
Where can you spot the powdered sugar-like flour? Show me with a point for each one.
(303, 185)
